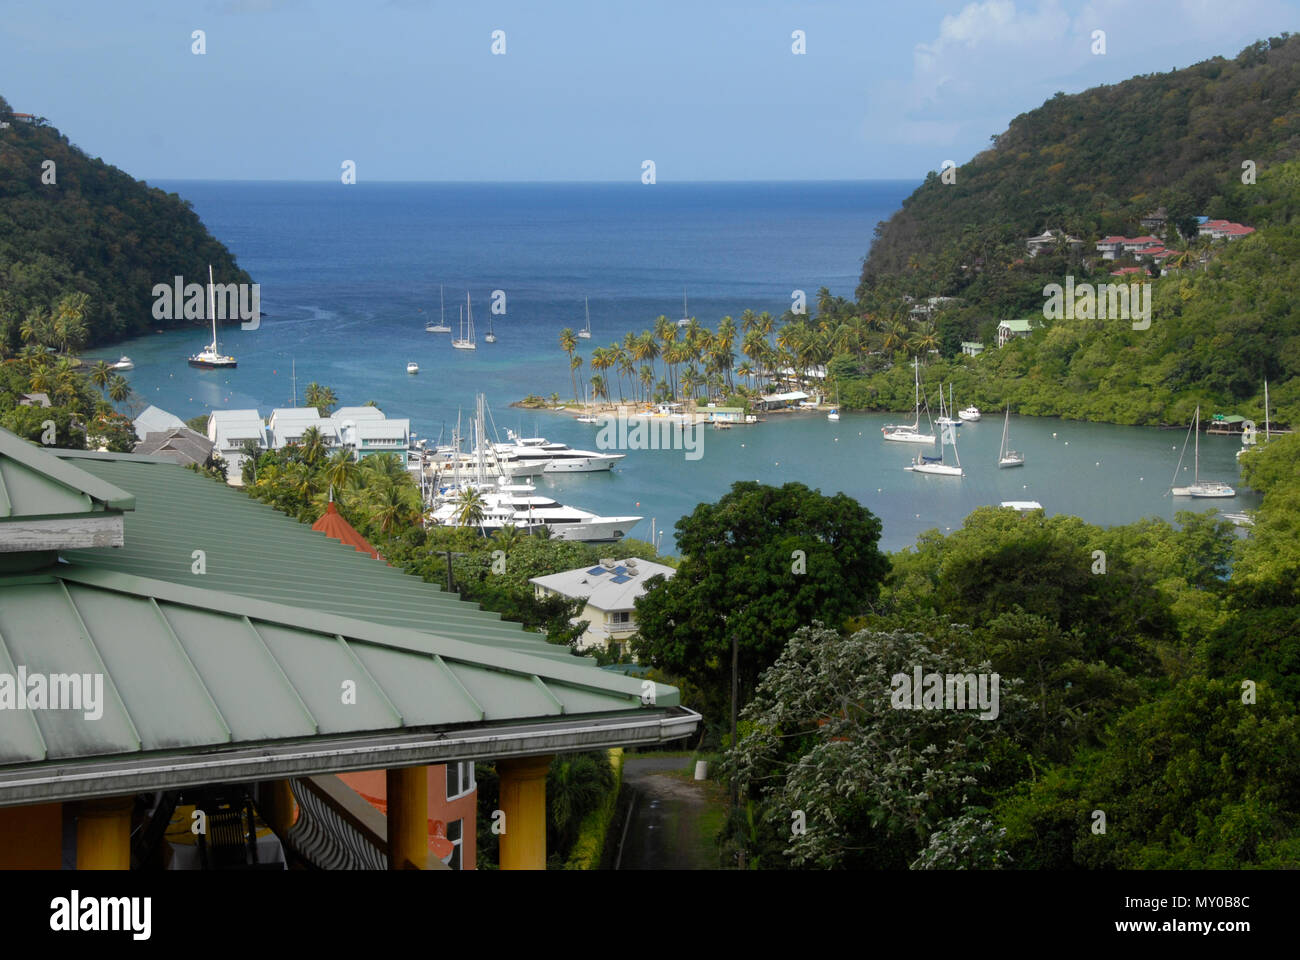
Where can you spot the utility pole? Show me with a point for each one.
(450, 583)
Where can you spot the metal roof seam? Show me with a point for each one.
(109, 684)
(311, 717)
(541, 685)
(370, 677)
(473, 701)
(180, 648)
(12, 671)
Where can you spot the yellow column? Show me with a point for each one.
(278, 806)
(408, 817)
(104, 833)
(523, 801)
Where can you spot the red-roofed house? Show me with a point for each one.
(1124, 271)
(1223, 230)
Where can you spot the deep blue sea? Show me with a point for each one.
(349, 275)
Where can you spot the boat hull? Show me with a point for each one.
(1006, 462)
(936, 469)
(906, 436)
(583, 464)
(212, 364)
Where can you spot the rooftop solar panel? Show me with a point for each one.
(596, 571)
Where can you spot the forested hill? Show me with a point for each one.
(95, 231)
(1093, 164)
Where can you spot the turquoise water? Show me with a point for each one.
(349, 275)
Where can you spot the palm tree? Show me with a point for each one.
(470, 508)
(118, 389)
(393, 505)
(313, 445)
(508, 537)
(925, 339)
(100, 374)
(575, 786)
(322, 398)
(575, 364)
(599, 388)
(569, 343)
(340, 469)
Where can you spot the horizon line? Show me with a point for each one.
(539, 182)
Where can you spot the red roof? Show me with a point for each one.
(1123, 270)
(332, 524)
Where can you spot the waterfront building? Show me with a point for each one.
(609, 590)
(972, 348)
(247, 666)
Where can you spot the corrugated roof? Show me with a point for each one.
(254, 550)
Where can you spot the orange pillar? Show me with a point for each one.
(523, 801)
(408, 817)
(31, 837)
(104, 833)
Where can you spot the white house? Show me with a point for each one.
(287, 425)
(1008, 330)
(228, 429)
(610, 590)
(1048, 239)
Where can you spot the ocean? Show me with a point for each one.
(350, 274)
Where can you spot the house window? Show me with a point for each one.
(620, 616)
(460, 779)
(456, 834)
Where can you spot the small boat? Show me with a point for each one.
(587, 417)
(412, 367)
(441, 325)
(1200, 489)
(685, 321)
(122, 364)
(1239, 519)
(1248, 438)
(1007, 457)
(946, 419)
(1022, 506)
(491, 337)
(834, 415)
(909, 433)
(935, 465)
(585, 332)
(971, 414)
(464, 342)
(208, 358)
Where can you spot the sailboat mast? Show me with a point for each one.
(212, 310)
(1265, 411)
(1196, 470)
(442, 308)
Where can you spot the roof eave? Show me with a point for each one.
(55, 781)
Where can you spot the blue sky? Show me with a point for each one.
(410, 90)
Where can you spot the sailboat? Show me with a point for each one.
(1216, 489)
(947, 419)
(685, 321)
(491, 337)
(464, 342)
(441, 325)
(910, 434)
(1006, 456)
(834, 415)
(208, 357)
(935, 465)
(585, 332)
(1248, 440)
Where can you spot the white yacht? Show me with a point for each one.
(557, 457)
(910, 433)
(935, 465)
(122, 364)
(412, 367)
(441, 325)
(1022, 506)
(971, 414)
(464, 342)
(208, 357)
(1006, 456)
(1204, 489)
(585, 332)
(518, 505)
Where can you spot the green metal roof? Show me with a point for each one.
(190, 669)
(36, 483)
(1018, 326)
(253, 550)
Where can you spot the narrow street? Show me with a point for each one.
(672, 822)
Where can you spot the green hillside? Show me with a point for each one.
(96, 231)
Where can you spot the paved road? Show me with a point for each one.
(664, 832)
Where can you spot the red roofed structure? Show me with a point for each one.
(332, 524)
